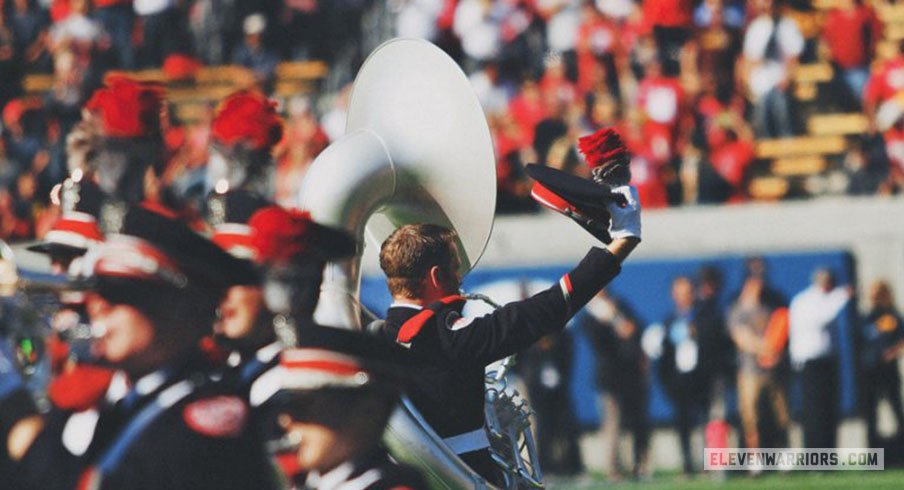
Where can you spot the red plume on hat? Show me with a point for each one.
(603, 147)
(280, 236)
(128, 108)
(247, 117)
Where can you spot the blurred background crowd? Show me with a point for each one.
(752, 367)
(720, 101)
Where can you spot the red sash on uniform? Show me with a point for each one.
(413, 326)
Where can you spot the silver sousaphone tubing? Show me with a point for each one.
(417, 149)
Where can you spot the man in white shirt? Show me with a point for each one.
(812, 317)
(772, 45)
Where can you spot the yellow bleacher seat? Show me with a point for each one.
(805, 91)
(837, 124)
(813, 73)
(894, 31)
(809, 23)
(301, 70)
(189, 94)
(218, 74)
(188, 112)
(804, 165)
(150, 75)
(800, 146)
(890, 13)
(768, 188)
(212, 83)
(827, 4)
(37, 83)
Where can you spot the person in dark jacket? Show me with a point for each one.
(449, 352)
(622, 374)
(333, 394)
(681, 366)
(546, 370)
(883, 344)
(161, 422)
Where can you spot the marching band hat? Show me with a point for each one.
(608, 160)
(561, 190)
(329, 359)
(233, 234)
(73, 234)
(127, 108)
(249, 118)
(585, 201)
(283, 237)
(154, 248)
(77, 229)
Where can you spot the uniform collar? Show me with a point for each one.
(268, 352)
(350, 470)
(406, 305)
(264, 355)
(331, 479)
(120, 386)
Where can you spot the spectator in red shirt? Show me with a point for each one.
(885, 81)
(647, 164)
(598, 48)
(602, 111)
(555, 87)
(671, 21)
(730, 160)
(851, 33)
(527, 108)
(717, 103)
(660, 97)
(661, 101)
(894, 147)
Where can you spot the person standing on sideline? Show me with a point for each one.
(812, 317)
(883, 344)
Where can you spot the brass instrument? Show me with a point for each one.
(417, 149)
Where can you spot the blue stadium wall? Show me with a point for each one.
(645, 286)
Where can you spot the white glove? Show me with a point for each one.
(625, 220)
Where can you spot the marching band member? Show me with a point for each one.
(292, 250)
(333, 395)
(243, 133)
(449, 352)
(118, 147)
(162, 422)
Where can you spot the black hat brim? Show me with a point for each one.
(330, 243)
(51, 248)
(578, 191)
(203, 261)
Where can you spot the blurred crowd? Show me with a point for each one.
(691, 85)
(703, 353)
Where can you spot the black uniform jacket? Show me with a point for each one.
(184, 433)
(448, 355)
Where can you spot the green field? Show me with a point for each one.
(846, 480)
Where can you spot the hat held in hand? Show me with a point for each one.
(585, 201)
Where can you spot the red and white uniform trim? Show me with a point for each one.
(304, 369)
(75, 229)
(235, 238)
(133, 258)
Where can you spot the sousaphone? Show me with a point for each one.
(417, 149)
